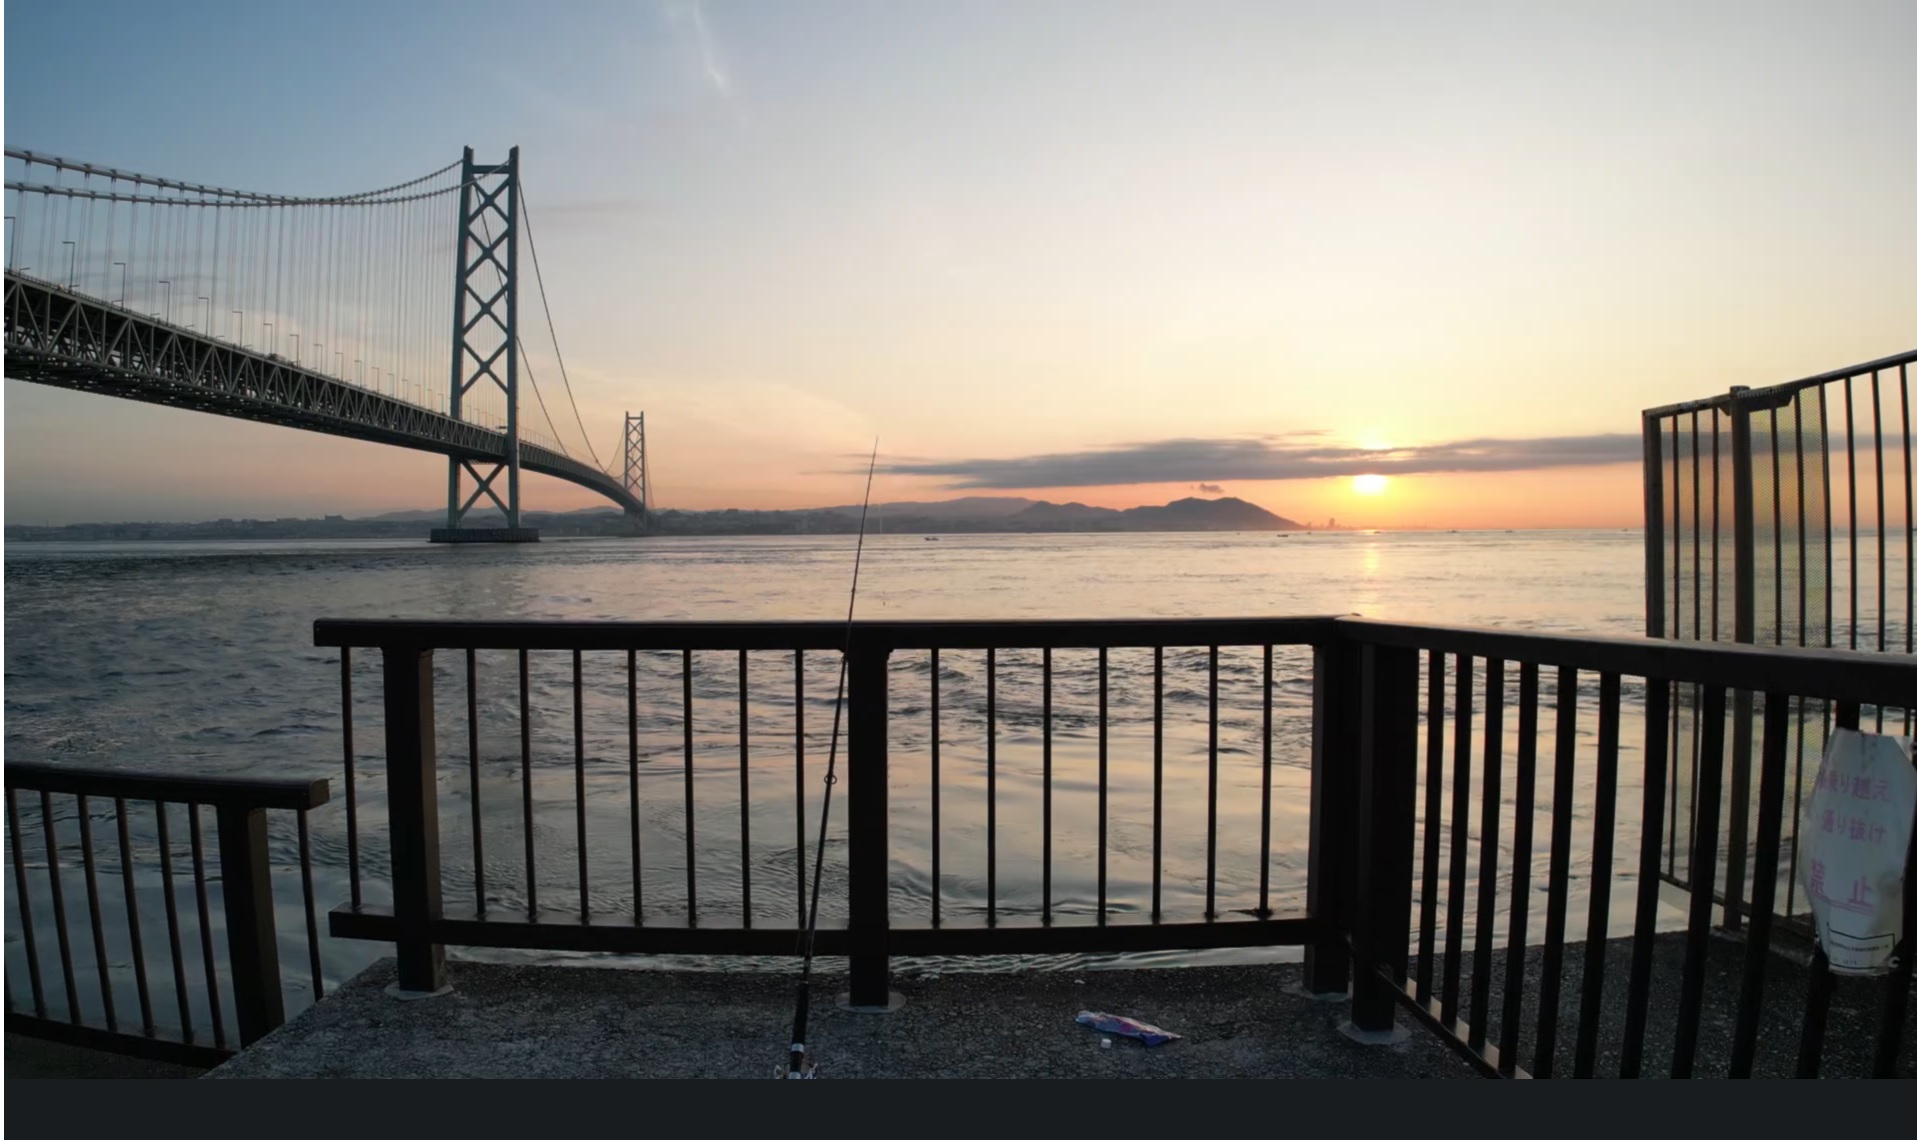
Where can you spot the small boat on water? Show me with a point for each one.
(931, 538)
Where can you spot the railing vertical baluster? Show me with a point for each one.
(352, 799)
(246, 889)
(745, 796)
(1387, 798)
(1850, 482)
(867, 832)
(1433, 804)
(472, 769)
(1486, 932)
(1603, 839)
(1770, 834)
(1330, 885)
(1104, 782)
(1890, 1027)
(1803, 639)
(1830, 541)
(206, 926)
(1877, 441)
(1697, 530)
(59, 909)
(1460, 843)
(133, 916)
(1551, 976)
(1158, 778)
(412, 799)
(1523, 819)
(1657, 751)
(1211, 789)
(173, 922)
(798, 770)
(632, 789)
(1045, 792)
(1264, 803)
(91, 880)
(1910, 553)
(1710, 787)
(312, 911)
(525, 785)
(1817, 994)
(1677, 517)
(1777, 533)
(579, 781)
(937, 880)
(991, 787)
(1655, 618)
(692, 855)
(26, 906)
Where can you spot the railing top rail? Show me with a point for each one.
(1831, 674)
(166, 787)
(1780, 392)
(1048, 633)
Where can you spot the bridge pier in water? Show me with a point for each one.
(484, 534)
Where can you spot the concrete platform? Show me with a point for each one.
(555, 1021)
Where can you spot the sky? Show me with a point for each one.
(1115, 253)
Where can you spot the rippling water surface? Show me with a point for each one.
(199, 657)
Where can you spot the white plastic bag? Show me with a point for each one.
(1855, 838)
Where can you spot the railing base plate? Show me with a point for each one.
(893, 1001)
(1392, 1036)
(393, 991)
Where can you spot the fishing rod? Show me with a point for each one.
(797, 1067)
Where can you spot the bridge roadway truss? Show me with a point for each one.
(67, 339)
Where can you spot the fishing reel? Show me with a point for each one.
(807, 1070)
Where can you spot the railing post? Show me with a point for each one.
(1387, 801)
(1331, 882)
(867, 837)
(413, 814)
(246, 887)
(1744, 630)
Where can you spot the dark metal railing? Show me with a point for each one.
(1417, 907)
(190, 1022)
(1778, 516)
(883, 658)
(1432, 917)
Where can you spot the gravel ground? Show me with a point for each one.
(547, 1021)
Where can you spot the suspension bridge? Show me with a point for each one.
(329, 314)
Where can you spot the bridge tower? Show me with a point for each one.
(634, 475)
(486, 341)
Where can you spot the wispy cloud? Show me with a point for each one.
(689, 17)
(1209, 489)
(707, 56)
(1266, 458)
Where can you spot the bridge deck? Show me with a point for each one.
(66, 339)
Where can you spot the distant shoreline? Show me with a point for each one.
(964, 516)
(411, 532)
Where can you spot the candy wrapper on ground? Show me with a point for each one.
(1126, 1027)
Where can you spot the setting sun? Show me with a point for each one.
(1369, 484)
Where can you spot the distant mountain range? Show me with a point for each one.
(976, 515)
(982, 515)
